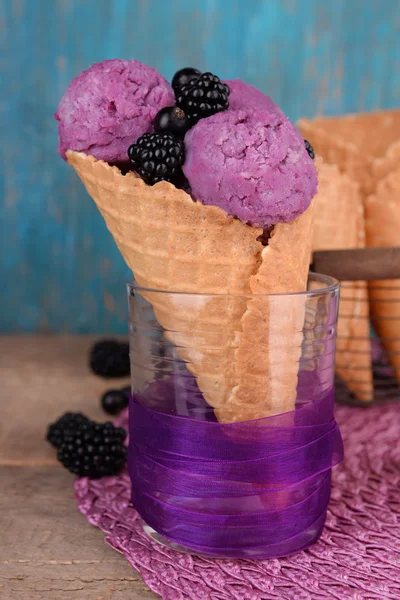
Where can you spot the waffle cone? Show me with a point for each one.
(356, 130)
(347, 141)
(340, 225)
(384, 165)
(382, 229)
(373, 162)
(172, 243)
(335, 150)
(382, 209)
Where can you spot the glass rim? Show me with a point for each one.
(331, 285)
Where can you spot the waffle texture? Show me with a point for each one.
(339, 224)
(383, 229)
(172, 243)
(366, 147)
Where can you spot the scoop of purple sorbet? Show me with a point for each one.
(253, 164)
(108, 106)
(244, 96)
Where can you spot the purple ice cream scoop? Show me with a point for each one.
(108, 106)
(244, 96)
(253, 164)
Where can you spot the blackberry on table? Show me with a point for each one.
(114, 401)
(110, 358)
(94, 450)
(64, 426)
(309, 149)
(157, 157)
(202, 97)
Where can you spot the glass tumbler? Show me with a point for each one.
(232, 436)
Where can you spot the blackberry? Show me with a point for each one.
(64, 426)
(202, 97)
(157, 157)
(184, 76)
(171, 119)
(94, 450)
(110, 358)
(309, 149)
(113, 401)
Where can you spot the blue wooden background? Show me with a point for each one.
(59, 268)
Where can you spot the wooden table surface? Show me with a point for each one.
(47, 550)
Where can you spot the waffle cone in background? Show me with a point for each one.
(334, 150)
(338, 225)
(383, 229)
(367, 147)
(172, 243)
(354, 141)
(384, 165)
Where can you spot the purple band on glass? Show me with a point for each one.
(255, 489)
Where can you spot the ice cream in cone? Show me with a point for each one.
(250, 179)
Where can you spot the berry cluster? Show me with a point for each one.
(83, 446)
(159, 156)
(64, 426)
(202, 97)
(87, 448)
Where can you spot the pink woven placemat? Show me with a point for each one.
(358, 556)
